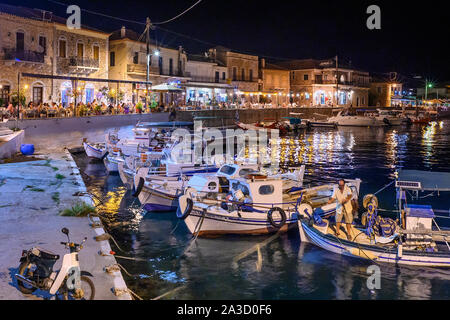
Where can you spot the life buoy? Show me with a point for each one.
(139, 187)
(272, 221)
(105, 155)
(185, 205)
(368, 198)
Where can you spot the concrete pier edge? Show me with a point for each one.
(105, 247)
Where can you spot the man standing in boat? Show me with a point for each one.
(343, 196)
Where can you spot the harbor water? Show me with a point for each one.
(167, 258)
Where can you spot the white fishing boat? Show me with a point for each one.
(248, 204)
(94, 150)
(345, 118)
(413, 239)
(393, 117)
(158, 188)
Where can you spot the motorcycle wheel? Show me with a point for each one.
(64, 294)
(86, 281)
(23, 271)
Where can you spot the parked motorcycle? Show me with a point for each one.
(36, 272)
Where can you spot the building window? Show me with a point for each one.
(20, 41)
(43, 44)
(217, 76)
(305, 77)
(234, 73)
(250, 75)
(160, 63)
(96, 53)
(37, 94)
(4, 95)
(136, 58)
(223, 76)
(170, 66)
(80, 50)
(62, 48)
(243, 74)
(379, 90)
(293, 75)
(112, 59)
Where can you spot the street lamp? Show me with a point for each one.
(427, 85)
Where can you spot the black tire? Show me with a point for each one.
(91, 285)
(24, 272)
(187, 212)
(139, 187)
(272, 221)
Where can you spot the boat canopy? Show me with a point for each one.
(429, 181)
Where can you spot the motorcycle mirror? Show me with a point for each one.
(65, 231)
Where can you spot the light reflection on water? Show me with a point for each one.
(290, 270)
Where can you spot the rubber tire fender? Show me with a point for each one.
(105, 155)
(139, 187)
(272, 222)
(187, 211)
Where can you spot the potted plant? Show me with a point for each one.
(98, 109)
(139, 107)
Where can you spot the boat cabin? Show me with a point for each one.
(264, 192)
(220, 182)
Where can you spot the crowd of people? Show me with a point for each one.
(94, 108)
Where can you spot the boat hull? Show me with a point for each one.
(217, 224)
(153, 200)
(111, 165)
(93, 152)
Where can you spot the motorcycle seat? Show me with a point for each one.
(45, 254)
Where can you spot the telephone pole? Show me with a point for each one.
(147, 40)
(337, 82)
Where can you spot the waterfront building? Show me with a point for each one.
(242, 70)
(37, 42)
(274, 84)
(386, 90)
(208, 82)
(319, 83)
(128, 61)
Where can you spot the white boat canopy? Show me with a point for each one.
(423, 180)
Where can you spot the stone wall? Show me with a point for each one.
(57, 133)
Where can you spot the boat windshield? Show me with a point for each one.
(246, 171)
(228, 170)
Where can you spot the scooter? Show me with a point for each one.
(36, 272)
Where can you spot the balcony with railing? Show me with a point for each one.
(206, 79)
(12, 54)
(344, 83)
(78, 65)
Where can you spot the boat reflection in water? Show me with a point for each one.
(287, 268)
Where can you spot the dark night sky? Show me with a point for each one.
(412, 40)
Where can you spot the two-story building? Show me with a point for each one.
(322, 82)
(128, 61)
(26, 37)
(386, 90)
(274, 84)
(208, 80)
(242, 68)
(41, 55)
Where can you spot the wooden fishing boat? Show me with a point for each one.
(250, 204)
(414, 239)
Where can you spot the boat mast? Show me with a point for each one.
(337, 82)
